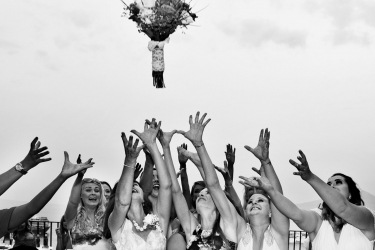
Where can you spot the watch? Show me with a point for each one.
(20, 169)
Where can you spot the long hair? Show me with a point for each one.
(82, 222)
(147, 208)
(355, 198)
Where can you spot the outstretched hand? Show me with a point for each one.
(181, 157)
(230, 154)
(131, 151)
(262, 150)
(34, 157)
(256, 182)
(196, 130)
(79, 161)
(165, 137)
(138, 170)
(69, 169)
(194, 157)
(303, 168)
(150, 131)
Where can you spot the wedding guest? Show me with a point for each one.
(12, 218)
(24, 238)
(131, 224)
(216, 224)
(266, 227)
(84, 214)
(64, 240)
(106, 189)
(343, 223)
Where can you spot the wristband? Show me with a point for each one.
(129, 166)
(199, 145)
(267, 163)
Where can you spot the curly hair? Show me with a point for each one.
(355, 198)
(82, 221)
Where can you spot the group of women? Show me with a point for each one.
(157, 213)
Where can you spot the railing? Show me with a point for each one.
(48, 237)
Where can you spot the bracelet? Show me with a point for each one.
(267, 163)
(129, 166)
(199, 145)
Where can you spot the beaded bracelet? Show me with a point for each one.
(129, 166)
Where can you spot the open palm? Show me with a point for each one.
(261, 151)
(69, 169)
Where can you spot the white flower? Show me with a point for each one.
(148, 219)
(186, 18)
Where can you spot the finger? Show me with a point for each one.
(249, 148)
(37, 151)
(159, 125)
(261, 135)
(66, 156)
(300, 159)
(245, 184)
(190, 119)
(228, 148)
(204, 124)
(197, 117)
(256, 170)
(147, 122)
(32, 144)
(296, 173)
(45, 159)
(136, 133)
(234, 151)
(266, 135)
(136, 144)
(184, 145)
(130, 142)
(303, 156)
(37, 145)
(42, 154)
(202, 119)
(124, 139)
(87, 162)
(244, 178)
(294, 164)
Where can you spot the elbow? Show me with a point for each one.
(122, 205)
(212, 183)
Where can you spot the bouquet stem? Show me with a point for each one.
(158, 66)
(158, 79)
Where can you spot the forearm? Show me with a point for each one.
(231, 169)
(236, 200)
(164, 176)
(271, 175)
(146, 180)
(25, 212)
(8, 178)
(211, 178)
(334, 199)
(74, 199)
(123, 194)
(185, 184)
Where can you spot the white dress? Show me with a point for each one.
(351, 238)
(131, 241)
(246, 242)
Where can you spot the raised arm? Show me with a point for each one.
(148, 137)
(357, 216)
(227, 212)
(306, 220)
(124, 189)
(279, 221)
(230, 155)
(184, 177)
(25, 212)
(146, 178)
(74, 199)
(33, 158)
(194, 158)
(230, 189)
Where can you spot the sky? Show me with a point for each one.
(76, 74)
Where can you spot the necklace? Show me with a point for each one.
(150, 220)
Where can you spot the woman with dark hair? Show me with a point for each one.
(106, 189)
(215, 226)
(131, 226)
(343, 223)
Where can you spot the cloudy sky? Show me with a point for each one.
(77, 74)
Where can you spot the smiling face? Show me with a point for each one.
(338, 182)
(205, 201)
(90, 194)
(258, 204)
(106, 190)
(137, 193)
(155, 184)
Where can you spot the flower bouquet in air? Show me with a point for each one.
(158, 19)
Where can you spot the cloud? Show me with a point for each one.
(256, 33)
(44, 57)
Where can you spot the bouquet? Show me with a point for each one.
(158, 19)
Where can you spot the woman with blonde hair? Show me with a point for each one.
(84, 214)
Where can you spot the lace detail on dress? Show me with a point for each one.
(248, 236)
